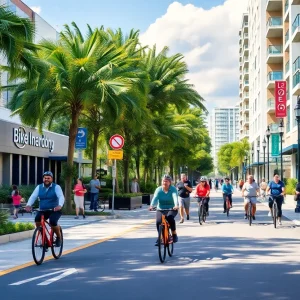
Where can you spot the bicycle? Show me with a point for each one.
(201, 210)
(43, 238)
(249, 211)
(165, 238)
(263, 195)
(274, 209)
(228, 204)
(100, 205)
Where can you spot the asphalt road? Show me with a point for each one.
(223, 259)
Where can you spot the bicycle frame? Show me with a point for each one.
(166, 226)
(46, 232)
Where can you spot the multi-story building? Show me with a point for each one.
(43, 31)
(273, 51)
(224, 128)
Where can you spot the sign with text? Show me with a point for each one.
(275, 144)
(81, 138)
(115, 154)
(280, 99)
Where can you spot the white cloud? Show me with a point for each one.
(209, 41)
(36, 9)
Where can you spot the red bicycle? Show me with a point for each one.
(44, 238)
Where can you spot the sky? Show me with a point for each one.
(204, 31)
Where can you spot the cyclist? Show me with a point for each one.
(166, 200)
(227, 190)
(203, 190)
(263, 187)
(276, 188)
(51, 200)
(184, 188)
(250, 191)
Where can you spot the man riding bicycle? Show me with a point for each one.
(166, 200)
(227, 190)
(276, 189)
(203, 191)
(51, 200)
(250, 191)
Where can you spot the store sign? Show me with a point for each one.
(21, 138)
(275, 144)
(280, 99)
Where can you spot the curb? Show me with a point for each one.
(13, 237)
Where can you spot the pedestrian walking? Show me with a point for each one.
(94, 190)
(79, 190)
(134, 188)
(16, 199)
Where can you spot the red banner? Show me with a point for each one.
(280, 99)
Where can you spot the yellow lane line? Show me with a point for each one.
(23, 266)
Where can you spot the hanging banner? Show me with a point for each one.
(275, 144)
(280, 99)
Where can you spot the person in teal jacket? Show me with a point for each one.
(166, 200)
(227, 190)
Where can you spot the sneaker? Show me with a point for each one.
(96, 210)
(245, 216)
(156, 243)
(279, 223)
(187, 217)
(76, 217)
(83, 216)
(224, 211)
(175, 238)
(269, 214)
(253, 217)
(181, 220)
(58, 242)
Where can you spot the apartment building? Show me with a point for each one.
(224, 128)
(43, 31)
(273, 50)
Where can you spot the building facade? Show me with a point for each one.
(224, 128)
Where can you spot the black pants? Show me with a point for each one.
(205, 202)
(230, 200)
(53, 216)
(279, 201)
(170, 216)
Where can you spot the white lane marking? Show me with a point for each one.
(65, 273)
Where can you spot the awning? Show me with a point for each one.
(290, 149)
(255, 164)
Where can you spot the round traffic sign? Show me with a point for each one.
(116, 142)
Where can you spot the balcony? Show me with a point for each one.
(296, 29)
(245, 50)
(287, 36)
(274, 5)
(246, 60)
(296, 64)
(274, 27)
(296, 83)
(272, 77)
(274, 54)
(286, 10)
(271, 105)
(246, 36)
(246, 95)
(245, 121)
(287, 67)
(246, 108)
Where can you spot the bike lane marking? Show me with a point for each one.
(32, 263)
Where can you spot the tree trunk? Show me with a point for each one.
(126, 172)
(70, 159)
(172, 169)
(95, 148)
(137, 164)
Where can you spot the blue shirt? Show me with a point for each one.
(164, 200)
(227, 188)
(93, 184)
(276, 188)
(58, 192)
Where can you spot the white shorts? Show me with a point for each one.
(79, 201)
(253, 200)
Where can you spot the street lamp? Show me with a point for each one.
(258, 146)
(297, 114)
(252, 154)
(246, 158)
(268, 133)
(264, 144)
(281, 129)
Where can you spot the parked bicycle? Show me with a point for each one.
(44, 238)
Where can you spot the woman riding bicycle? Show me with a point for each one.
(203, 190)
(166, 200)
(250, 191)
(227, 190)
(276, 189)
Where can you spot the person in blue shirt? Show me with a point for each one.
(227, 190)
(276, 188)
(166, 200)
(51, 200)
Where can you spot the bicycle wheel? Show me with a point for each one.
(101, 205)
(250, 213)
(203, 213)
(37, 247)
(200, 208)
(274, 213)
(57, 251)
(170, 243)
(161, 244)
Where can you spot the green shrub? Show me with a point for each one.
(10, 227)
(291, 186)
(148, 187)
(3, 217)
(5, 193)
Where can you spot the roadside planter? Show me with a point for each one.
(146, 198)
(126, 201)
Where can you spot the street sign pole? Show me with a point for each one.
(114, 175)
(79, 162)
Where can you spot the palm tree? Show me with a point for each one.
(73, 74)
